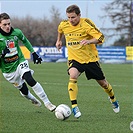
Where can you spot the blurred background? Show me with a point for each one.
(39, 22)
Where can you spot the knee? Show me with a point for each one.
(74, 73)
(29, 79)
(104, 84)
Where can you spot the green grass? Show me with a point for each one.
(17, 115)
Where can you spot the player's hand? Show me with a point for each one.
(58, 45)
(4, 52)
(84, 42)
(36, 58)
(91, 41)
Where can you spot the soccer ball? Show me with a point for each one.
(62, 112)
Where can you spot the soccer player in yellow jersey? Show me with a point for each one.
(81, 36)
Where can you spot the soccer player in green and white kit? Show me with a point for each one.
(15, 67)
(81, 36)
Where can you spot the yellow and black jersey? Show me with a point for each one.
(86, 29)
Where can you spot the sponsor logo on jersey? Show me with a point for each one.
(10, 44)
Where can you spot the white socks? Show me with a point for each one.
(29, 96)
(37, 88)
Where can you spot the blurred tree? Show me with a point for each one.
(122, 41)
(121, 14)
(54, 21)
(39, 31)
(30, 27)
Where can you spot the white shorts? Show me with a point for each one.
(15, 78)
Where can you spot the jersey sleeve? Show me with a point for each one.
(25, 41)
(93, 31)
(63, 24)
(60, 27)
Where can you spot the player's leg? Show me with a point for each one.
(108, 89)
(39, 91)
(14, 78)
(100, 78)
(26, 93)
(94, 71)
(73, 90)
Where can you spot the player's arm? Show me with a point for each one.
(59, 42)
(91, 41)
(97, 36)
(36, 58)
(25, 41)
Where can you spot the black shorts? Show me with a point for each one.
(92, 69)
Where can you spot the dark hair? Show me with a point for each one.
(4, 16)
(73, 8)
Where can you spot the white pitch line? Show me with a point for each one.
(60, 84)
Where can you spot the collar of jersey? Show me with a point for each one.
(6, 34)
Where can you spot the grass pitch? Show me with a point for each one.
(18, 115)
